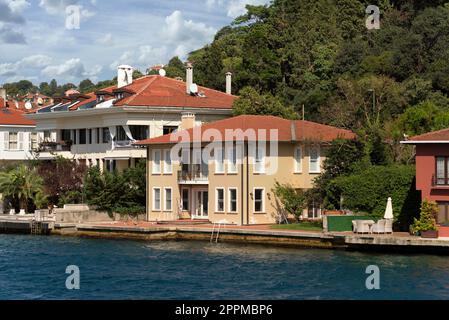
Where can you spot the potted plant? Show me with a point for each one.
(426, 224)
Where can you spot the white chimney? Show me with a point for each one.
(189, 77)
(228, 83)
(124, 75)
(3, 96)
(187, 120)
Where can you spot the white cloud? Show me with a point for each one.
(185, 35)
(18, 6)
(106, 40)
(234, 8)
(59, 6)
(34, 62)
(72, 69)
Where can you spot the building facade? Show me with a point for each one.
(100, 127)
(227, 170)
(432, 169)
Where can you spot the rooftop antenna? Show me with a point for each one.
(193, 88)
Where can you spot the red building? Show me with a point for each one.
(432, 169)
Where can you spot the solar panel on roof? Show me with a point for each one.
(89, 105)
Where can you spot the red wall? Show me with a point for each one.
(425, 170)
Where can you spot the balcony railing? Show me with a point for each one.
(193, 174)
(49, 146)
(440, 182)
(123, 144)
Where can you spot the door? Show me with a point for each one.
(201, 204)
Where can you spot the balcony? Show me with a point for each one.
(50, 146)
(123, 144)
(440, 183)
(193, 174)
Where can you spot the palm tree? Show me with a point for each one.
(21, 184)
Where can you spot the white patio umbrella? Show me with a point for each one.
(389, 210)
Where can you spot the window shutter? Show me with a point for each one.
(6, 140)
(20, 141)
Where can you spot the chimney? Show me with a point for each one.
(187, 120)
(228, 83)
(189, 77)
(124, 75)
(3, 97)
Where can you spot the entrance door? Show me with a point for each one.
(201, 204)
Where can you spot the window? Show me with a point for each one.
(314, 163)
(47, 135)
(65, 135)
(259, 161)
(33, 140)
(82, 136)
(139, 132)
(167, 161)
(185, 200)
(121, 134)
(169, 129)
(168, 199)
(89, 136)
(106, 135)
(298, 160)
(442, 171)
(13, 141)
(98, 135)
(219, 200)
(232, 196)
(156, 161)
(219, 160)
(232, 159)
(259, 194)
(156, 199)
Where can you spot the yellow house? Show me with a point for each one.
(225, 171)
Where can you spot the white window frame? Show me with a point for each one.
(158, 171)
(154, 199)
(317, 149)
(232, 166)
(216, 200)
(168, 166)
(263, 199)
(259, 166)
(16, 141)
(165, 199)
(219, 152)
(236, 200)
(297, 161)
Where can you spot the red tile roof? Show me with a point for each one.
(11, 116)
(287, 130)
(440, 135)
(161, 91)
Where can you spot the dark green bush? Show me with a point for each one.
(368, 190)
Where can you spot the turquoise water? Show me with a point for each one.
(34, 267)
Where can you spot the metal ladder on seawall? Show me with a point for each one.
(36, 227)
(217, 227)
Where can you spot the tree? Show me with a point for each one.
(427, 217)
(86, 86)
(251, 102)
(291, 199)
(175, 68)
(21, 187)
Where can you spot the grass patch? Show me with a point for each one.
(306, 226)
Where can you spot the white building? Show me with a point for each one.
(18, 136)
(100, 127)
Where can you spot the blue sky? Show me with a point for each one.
(36, 45)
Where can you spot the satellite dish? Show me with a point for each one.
(40, 101)
(28, 105)
(162, 72)
(193, 88)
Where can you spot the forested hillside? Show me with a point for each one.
(321, 55)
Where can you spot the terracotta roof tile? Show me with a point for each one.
(440, 135)
(302, 130)
(11, 116)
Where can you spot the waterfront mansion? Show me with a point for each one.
(100, 127)
(225, 171)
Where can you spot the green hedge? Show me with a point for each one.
(344, 223)
(368, 190)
